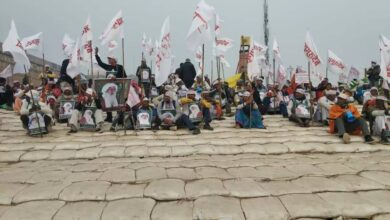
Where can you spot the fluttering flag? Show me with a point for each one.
(224, 61)
(7, 72)
(113, 29)
(86, 41)
(311, 52)
(253, 65)
(259, 49)
(384, 46)
(199, 59)
(164, 55)
(218, 25)
(33, 42)
(222, 45)
(73, 68)
(282, 75)
(112, 45)
(144, 43)
(13, 45)
(150, 48)
(335, 64)
(353, 74)
(67, 45)
(200, 30)
(276, 51)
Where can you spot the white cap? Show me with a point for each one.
(301, 91)
(110, 76)
(374, 88)
(331, 92)
(191, 92)
(111, 57)
(246, 94)
(169, 94)
(89, 91)
(343, 96)
(145, 99)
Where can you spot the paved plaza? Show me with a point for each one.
(283, 172)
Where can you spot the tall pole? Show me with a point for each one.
(43, 58)
(212, 70)
(266, 30)
(90, 46)
(202, 67)
(123, 56)
(310, 94)
(274, 82)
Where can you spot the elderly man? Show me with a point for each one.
(89, 99)
(346, 119)
(196, 112)
(299, 108)
(112, 65)
(248, 114)
(171, 116)
(325, 103)
(34, 110)
(381, 115)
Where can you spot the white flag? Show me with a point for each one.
(114, 28)
(259, 49)
(33, 42)
(218, 25)
(384, 46)
(198, 55)
(7, 72)
(73, 68)
(150, 48)
(222, 45)
(86, 41)
(282, 75)
(276, 51)
(67, 45)
(144, 43)
(199, 32)
(164, 55)
(112, 45)
(253, 65)
(311, 51)
(13, 45)
(335, 64)
(353, 74)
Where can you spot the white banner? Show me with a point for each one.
(7, 72)
(114, 28)
(301, 78)
(86, 41)
(311, 51)
(33, 42)
(200, 32)
(353, 74)
(73, 68)
(335, 64)
(276, 51)
(13, 45)
(384, 46)
(67, 45)
(253, 65)
(164, 55)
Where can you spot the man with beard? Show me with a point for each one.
(299, 109)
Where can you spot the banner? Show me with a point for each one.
(276, 51)
(86, 41)
(335, 64)
(73, 68)
(353, 74)
(311, 51)
(67, 45)
(13, 45)
(253, 66)
(164, 55)
(33, 42)
(301, 78)
(114, 28)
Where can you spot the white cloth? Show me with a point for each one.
(324, 105)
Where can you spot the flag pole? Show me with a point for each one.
(274, 78)
(90, 46)
(310, 94)
(202, 67)
(123, 56)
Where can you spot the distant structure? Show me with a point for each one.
(36, 66)
(266, 29)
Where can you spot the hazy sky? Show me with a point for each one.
(348, 27)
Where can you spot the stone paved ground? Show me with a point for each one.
(283, 172)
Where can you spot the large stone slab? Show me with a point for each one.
(277, 188)
(182, 173)
(39, 210)
(356, 183)
(377, 176)
(269, 208)
(216, 207)
(308, 205)
(380, 199)
(8, 191)
(40, 191)
(244, 188)
(205, 187)
(118, 176)
(351, 204)
(12, 156)
(166, 189)
(275, 173)
(89, 190)
(128, 209)
(125, 191)
(81, 210)
(213, 172)
(150, 173)
(176, 210)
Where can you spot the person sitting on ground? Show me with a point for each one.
(324, 105)
(380, 115)
(203, 109)
(369, 95)
(299, 109)
(67, 95)
(345, 119)
(248, 114)
(146, 106)
(32, 105)
(89, 99)
(171, 116)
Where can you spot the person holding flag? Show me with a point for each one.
(112, 65)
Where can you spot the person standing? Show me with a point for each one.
(187, 73)
(144, 74)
